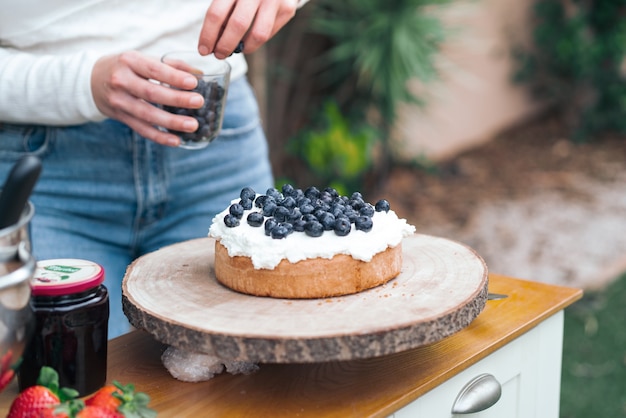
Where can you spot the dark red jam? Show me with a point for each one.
(70, 333)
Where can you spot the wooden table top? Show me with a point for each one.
(360, 388)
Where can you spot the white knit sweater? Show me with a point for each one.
(48, 49)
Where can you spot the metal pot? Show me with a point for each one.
(17, 268)
(12, 236)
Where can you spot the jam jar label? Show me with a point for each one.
(65, 276)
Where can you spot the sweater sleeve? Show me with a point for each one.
(47, 89)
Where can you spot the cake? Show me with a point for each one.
(306, 244)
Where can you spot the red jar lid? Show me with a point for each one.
(65, 276)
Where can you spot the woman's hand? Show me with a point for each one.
(124, 88)
(254, 21)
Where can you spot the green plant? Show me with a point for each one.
(576, 62)
(337, 152)
(594, 355)
(376, 48)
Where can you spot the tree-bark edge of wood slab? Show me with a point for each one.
(172, 293)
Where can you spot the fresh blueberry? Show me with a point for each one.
(356, 195)
(287, 225)
(319, 212)
(322, 206)
(363, 223)
(326, 197)
(281, 213)
(342, 227)
(302, 200)
(280, 231)
(246, 204)
(269, 208)
(312, 193)
(288, 202)
(260, 200)
(306, 208)
(297, 194)
(270, 223)
(273, 192)
(231, 221)
(255, 219)
(204, 131)
(313, 229)
(239, 48)
(367, 210)
(382, 206)
(351, 214)
(331, 191)
(327, 220)
(247, 193)
(357, 203)
(309, 217)
(288, 190)
(236, 210)
(337, 210)
(298, 225)
(294, 214)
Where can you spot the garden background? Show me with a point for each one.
(497, 123)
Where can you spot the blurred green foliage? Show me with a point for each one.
(378, 46)
(337, 153)
(578, 62)
(374, 49)
(594, 355)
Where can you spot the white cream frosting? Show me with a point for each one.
(244, 240)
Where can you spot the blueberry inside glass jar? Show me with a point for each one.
(71, 307)
(213, 80)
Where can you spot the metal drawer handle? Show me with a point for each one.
(480, 393)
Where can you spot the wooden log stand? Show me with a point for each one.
(173, 295)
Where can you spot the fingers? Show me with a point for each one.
(227, 22)
(271, 16)
(124, 88)
(262, 27)
(215, 22)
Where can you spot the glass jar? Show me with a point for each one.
(213, 81)
(71, 307)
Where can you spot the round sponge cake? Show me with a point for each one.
(309, 278)
(309, 244)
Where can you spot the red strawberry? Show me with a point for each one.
(33, 402)
(41, 400)
(5, 378)
(104, 398)
(95, 411)
(119, 401)
(5, 362)
(6, 370)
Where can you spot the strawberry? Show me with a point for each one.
(95, 411)
(5, 378)
(6, 370)
(119, 401)
(47, 400)
(104, 398)
(5, 361)
(41, 400)
(32, 402)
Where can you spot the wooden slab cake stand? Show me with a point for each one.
(172, 293)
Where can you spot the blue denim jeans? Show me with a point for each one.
(109, 196)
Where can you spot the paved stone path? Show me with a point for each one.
(552, 238)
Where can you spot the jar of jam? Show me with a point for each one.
(71, 307)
